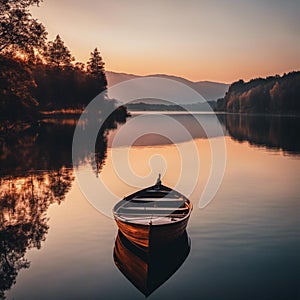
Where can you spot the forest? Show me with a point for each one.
(274, 94)
(142, 106)
(38, 75)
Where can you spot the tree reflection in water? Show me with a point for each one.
(23, 221)
(272, 132)
(35, 172)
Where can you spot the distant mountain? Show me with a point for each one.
(209, 90)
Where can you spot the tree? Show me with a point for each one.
(80, 66)
(19, 32)
(95, 67)
(16, 84)
(57, 54)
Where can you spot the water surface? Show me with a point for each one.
(244, 245)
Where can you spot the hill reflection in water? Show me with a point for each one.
(278, 133)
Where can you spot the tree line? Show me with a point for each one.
(274, 94)
(40, 75)
(198, 106)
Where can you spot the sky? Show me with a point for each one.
(222, 41)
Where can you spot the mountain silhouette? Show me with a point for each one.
(208, 89)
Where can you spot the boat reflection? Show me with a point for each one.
(147, 269)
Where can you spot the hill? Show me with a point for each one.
(209, 90)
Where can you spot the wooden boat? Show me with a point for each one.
(148, 270)
(154, 216)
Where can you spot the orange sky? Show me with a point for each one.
(213, 40)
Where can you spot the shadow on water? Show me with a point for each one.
(35, 171)
(278, 133)
(148, 269)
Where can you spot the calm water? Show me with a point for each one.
(244, 245)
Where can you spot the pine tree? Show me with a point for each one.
(95, 67)
(57, 54)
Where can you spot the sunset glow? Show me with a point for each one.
(199, 40)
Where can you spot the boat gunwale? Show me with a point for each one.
(158, 188)
(156, 225)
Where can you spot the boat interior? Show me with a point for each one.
(158, 204)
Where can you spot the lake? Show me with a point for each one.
(244, 244)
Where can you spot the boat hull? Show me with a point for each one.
(153, 236)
